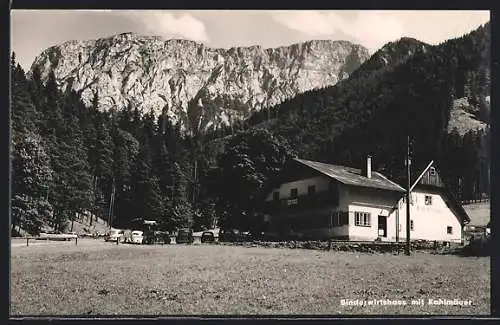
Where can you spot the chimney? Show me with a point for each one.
(369, 166)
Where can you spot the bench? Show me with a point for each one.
(52, 237)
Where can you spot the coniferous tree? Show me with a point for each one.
(102, 158)
(179, 209)
(147, 201)
(126, 148)
(31, 176)
(72, 190)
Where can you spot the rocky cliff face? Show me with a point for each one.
(185, 78)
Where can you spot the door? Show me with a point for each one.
(382, 226)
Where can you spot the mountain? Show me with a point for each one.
(391, 54)
(70, 158)
(165, 75)
(438, 95)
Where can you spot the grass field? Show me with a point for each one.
(479, 213)
(97, 278)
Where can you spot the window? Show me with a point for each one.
(294, 192)
(432, 171)
(362, 219)
(276, 196)
(449, 230)
(428, 200)
(311, 190)
(412, 227)
(340, 219)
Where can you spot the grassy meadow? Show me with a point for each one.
(97, 278)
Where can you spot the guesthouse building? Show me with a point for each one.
(314, 200)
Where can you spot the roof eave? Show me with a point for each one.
(396, 189)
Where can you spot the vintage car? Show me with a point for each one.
(137, 237)
(115, 235)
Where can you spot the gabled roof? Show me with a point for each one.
(453, 203)
(352, 176)
(435, 182)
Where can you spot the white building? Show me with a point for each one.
(319, 201)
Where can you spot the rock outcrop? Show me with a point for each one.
(226, 85)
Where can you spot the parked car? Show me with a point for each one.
(230, 235)
(115, 235)
(184, 236)
(207, 237)
(127, 236)
(162, 237)
(137, 237)
(246, 235)
(149, 237)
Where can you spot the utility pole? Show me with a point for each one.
(408, 163)
(111, 203)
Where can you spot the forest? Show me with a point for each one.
(381, 105)
(69, 159)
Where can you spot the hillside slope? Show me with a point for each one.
(425, 92)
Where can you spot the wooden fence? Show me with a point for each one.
(464, 202)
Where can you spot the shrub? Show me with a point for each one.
(478, 247)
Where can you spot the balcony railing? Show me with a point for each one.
(300, 203)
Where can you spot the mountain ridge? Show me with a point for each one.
(164, 75)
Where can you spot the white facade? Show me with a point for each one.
(375, 203)
(320, 183)
(432, 219)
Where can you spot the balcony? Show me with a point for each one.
(301, 203)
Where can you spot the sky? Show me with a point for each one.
(32, 31)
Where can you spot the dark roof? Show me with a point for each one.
(453, 203)
(352, 176)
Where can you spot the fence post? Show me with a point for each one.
(76, 241)
(27, 241)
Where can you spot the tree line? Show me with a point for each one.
(69, 159)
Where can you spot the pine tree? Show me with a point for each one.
(72, 190)
(31, 171)
(52, 110)
(23, 112)
(31, 175)
(179, 209)
(102, 166)
(126, 148)
(147, 201)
